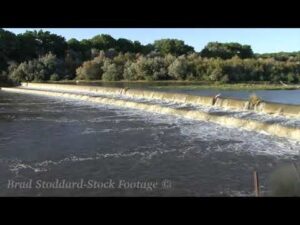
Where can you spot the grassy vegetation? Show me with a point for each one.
(6, 84)
(165, 82)
(231, 87)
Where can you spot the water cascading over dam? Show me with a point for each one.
(276, 119)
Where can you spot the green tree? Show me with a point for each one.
(22, 73)
(54, 77)
(75, 45)
(216, 74)
(90, 70)
(131, 71)
(172, 46)
(291, 78)
(103, 42)
(137, 47)
(111, 53)
(112, 72)
(43, 42)
(8, 44)
(37, 69)
(147, 49)
(226, 50)
(152, 68)
(72, 61)
(179, 69)
(124, 45)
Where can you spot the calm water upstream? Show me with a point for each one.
(45, 139)
(278, 96)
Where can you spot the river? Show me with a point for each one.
(276, 96)
(47, 138)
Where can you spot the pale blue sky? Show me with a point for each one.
(262, 40)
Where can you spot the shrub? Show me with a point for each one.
(90, 70)
(54, 77)
(112, 72)
(179, 69)
(131, 71)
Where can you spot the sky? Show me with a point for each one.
(262, 40)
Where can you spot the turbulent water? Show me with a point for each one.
(276, 96)
(46, 138)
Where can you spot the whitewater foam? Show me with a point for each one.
(222, 119)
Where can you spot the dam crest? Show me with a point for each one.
(184, 105)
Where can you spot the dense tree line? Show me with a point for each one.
(42, 56)
(188, 67)
(281, 56)
(226, 50)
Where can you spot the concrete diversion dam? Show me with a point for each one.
(276, 119)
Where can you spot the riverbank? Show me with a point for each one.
(6, 82)
(5, 85)
(232, 87)
(187, 85)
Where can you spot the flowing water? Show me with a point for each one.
(276, 96)
(49, 138)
